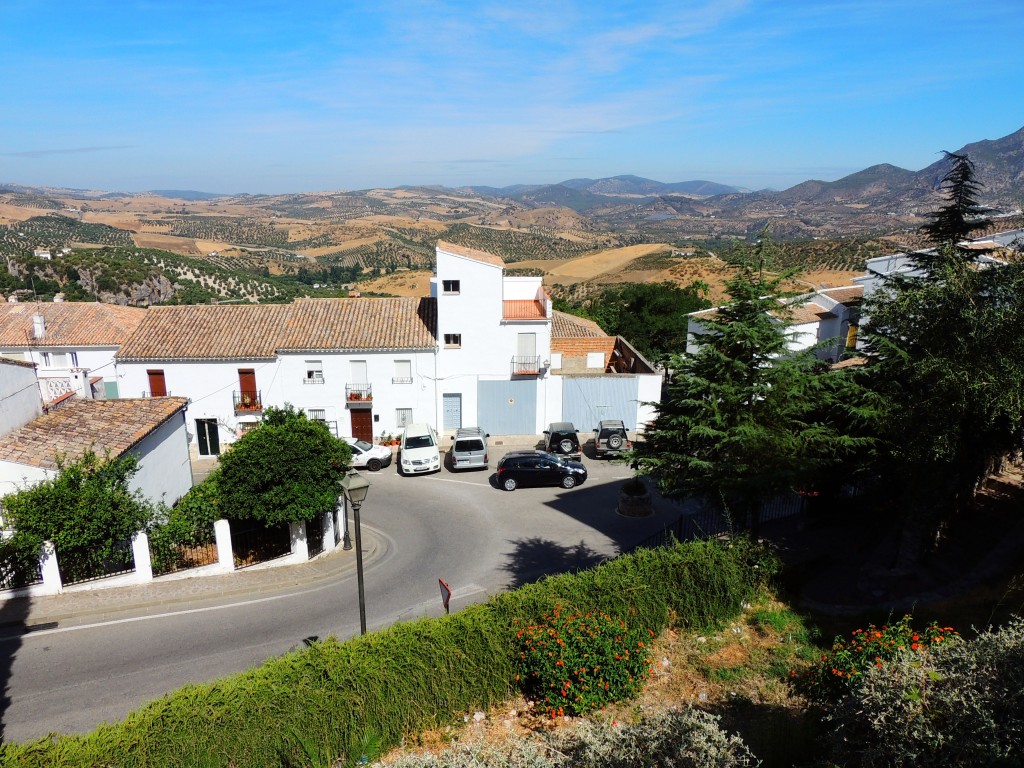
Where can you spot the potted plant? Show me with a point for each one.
(635, 498)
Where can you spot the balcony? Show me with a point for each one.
(247, 402)
(359, 395)
(526, 365)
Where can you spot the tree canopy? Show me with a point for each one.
(744, 419)
(285, 470)
(88, 510)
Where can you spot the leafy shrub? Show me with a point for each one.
(88, 511)
(189, 523)
(962, 705)
(576, 664)
(840, 671)
(686, 738)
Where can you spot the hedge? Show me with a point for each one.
(332, 699)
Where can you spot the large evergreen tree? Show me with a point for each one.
(947, 357)
(954, 222)
(744, 419)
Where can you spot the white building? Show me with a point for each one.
(483, 350)
(72, 344)
(364, 366)
(153, 429)
(20, 401)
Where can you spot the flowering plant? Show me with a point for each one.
(570, 664)
(840, 671)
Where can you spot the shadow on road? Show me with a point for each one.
(535, 557)
(13, 616)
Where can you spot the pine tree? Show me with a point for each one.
(954, 222)
(743, 419)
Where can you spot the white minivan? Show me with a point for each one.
(418, 451)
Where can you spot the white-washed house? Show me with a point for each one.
(153, 429)
(72, 344)
(20, 401)
(363, 366)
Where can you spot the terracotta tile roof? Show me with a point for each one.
(259, 331)
(566, 326)
(371, 323)
(207, 331)
(12, 361)
(68, 324)
(807, 313)
(848, 294)
(582, 346)
(850, 362)
(114, 425)
(523, 309)
(471, 253)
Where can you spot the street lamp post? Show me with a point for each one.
(355, 488)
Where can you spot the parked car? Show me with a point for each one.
(418, 451)
(469, 449)
(610, 437)
(536, 468)
(367, 455)
(560, 437)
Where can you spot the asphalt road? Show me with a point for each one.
(452, 526)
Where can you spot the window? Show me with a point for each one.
(595, 359)
(450, 286)
(317, 414)
(453, 339)
(403, 417)
(314, 372)
(157, 383)
(403, 372)
(46, 358)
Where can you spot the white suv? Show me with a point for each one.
(418, 451)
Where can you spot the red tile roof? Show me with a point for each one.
(68, 324)
(259, 331)
(103, 425)
(848, 294)
(807, 313)
(471, 253)
(566, 326)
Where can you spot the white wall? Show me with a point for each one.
(99, 361)
(648, 390)
(488, 341)
(165, 470)
(20, 402)
(287, 385)
(14, 477)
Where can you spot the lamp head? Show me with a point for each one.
(355, 487)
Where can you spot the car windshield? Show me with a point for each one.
(362, 445)
(419, 441)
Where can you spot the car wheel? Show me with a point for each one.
(568, 482)
(566, 446)
(373, 465)
(509, 484)
(615, 441)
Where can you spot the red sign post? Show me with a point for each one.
(446, 593)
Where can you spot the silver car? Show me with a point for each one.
(469, 451)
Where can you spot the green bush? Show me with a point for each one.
(842, 669)
(955, 704)
(323, 702)
(189, 523)
(571, 664)
(686, 738)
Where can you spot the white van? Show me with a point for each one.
(418, 451)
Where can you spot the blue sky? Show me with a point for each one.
(285, 97)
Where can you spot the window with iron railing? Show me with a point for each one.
(403, 417)
(403, 372)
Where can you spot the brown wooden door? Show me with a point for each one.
(157, 384)
(362, 424)
(247, 383)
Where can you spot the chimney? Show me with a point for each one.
(38, 326)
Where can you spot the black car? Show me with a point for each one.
(533, 468)
(560, 437)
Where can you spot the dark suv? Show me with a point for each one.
(610, 437)
(560, 437)
(534, 468)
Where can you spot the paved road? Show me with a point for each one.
(454, 526)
